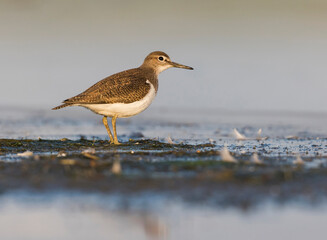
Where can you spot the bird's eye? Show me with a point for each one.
(161, 59)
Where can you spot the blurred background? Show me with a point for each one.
(247, 55)
(259, 64)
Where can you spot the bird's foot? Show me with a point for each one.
(114, 142)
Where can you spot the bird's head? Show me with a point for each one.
(160, 61)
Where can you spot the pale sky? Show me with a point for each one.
(256, 55)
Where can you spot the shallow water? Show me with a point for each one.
(96, 216)
(183, 190)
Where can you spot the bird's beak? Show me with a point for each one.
(177, 65)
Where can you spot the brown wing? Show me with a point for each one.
(123, 87)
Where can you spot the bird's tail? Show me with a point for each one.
(62, 106)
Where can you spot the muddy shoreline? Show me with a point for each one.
(193, 173)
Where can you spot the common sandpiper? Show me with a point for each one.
(126, 93)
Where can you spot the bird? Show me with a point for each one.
(126, 93)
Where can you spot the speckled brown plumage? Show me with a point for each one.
(124, 87)
(124, 94)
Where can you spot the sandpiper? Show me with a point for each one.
(126, 93)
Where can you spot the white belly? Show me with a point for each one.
(123, 110)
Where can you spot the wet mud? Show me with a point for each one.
(193, 173)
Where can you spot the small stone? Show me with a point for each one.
(169, 140)
(62, 154)
(25, 154)
(226, 156)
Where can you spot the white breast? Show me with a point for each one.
(123, 110)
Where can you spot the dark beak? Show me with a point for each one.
(177, 65)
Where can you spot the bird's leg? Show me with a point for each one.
(113, 121)
(105, 123)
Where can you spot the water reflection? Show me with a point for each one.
(93, 216)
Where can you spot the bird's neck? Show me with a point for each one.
(149, 69)
(154, 69)
(151, 75)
